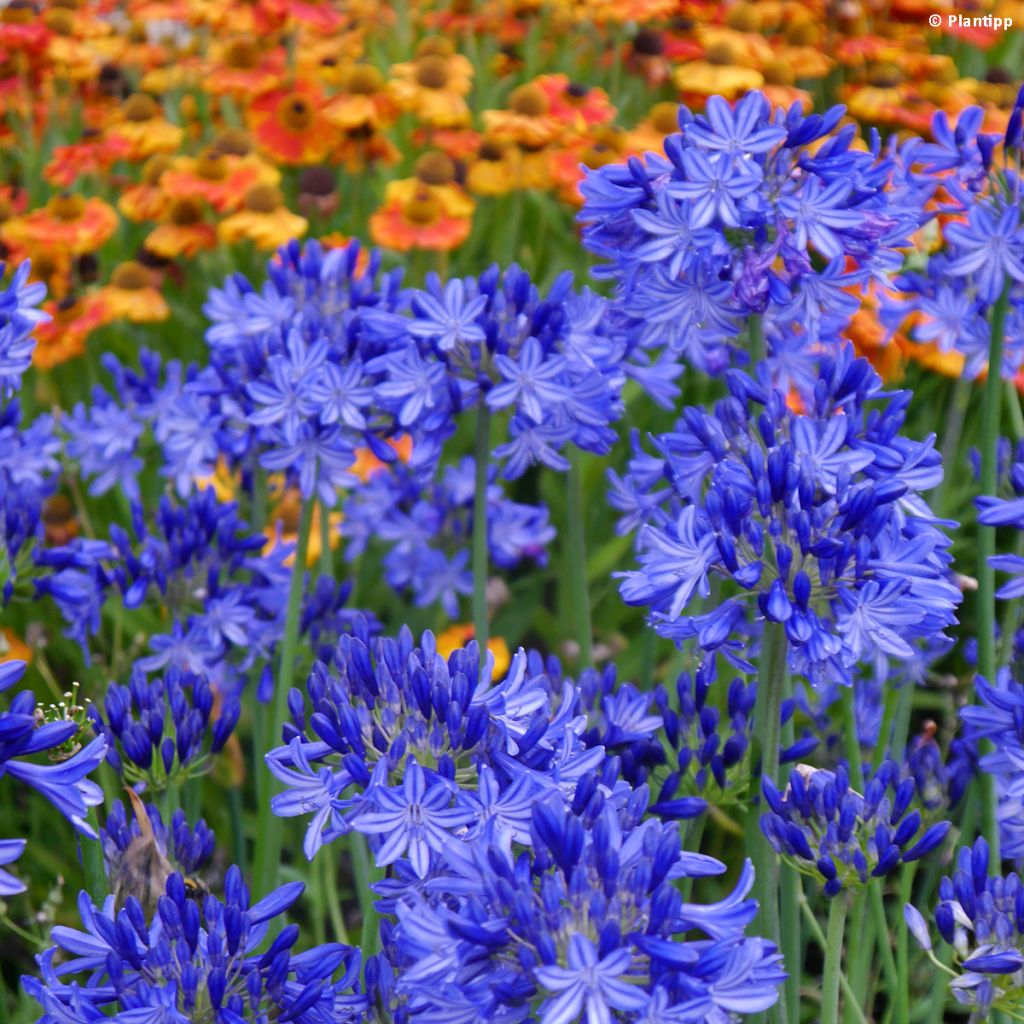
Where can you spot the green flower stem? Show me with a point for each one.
(833, 961)
(365, 874)
(902, 945)
(91, 852)
(819, 937)
(771, 686)
(271, 828)
(990, 416)
(578, 559)
(237, 821)
(482, 454)
(330, 870)
(792, 945)
(882, 934)
(326, 561)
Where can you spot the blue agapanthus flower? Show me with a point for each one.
(811, 519)
(555, 364)
(842, 838)
(750, 212)
(585, 921)
(981, 917)
(981, 253)
(63, 781)
(385, 709)
(193, 959)
(19, 314)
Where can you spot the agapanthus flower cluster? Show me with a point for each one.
(395, 725)
(193, 961)
(288, 387)
(586, 923)
(19, 314)
(164, 730)
(982, 918)
(64, 781)
(999, 718)
(979, 261)
(1006, 509)
(810, 519)
(828, 830)
(750, 212)
(186, 848)
(427, 525)
(554, 362)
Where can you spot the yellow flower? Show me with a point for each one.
(264, 220)
(454, 637)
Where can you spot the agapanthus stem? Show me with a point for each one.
(369, 941)
(482, 454)
(96, 883)
(834, 960)
(326, 561)
(771, 686)
(987, 542)
(578, 560)
(269, 838)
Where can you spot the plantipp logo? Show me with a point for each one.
(970, 21)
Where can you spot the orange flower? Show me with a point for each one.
(649, 135)
(528, 119)
(184, 231)
(93, 154)
(217, 178)
(434, 86)
(577, 106)
(240, 66)
(133, 296)
(263, 220)
(68, 222)
(60, 525)
(284, 528)
(367, 463)
(454, 637)
(364, 102)
(147, 200)
(435, 174)
(607, 148)
(724, 71)
(142, 126)
(364, 147)
(290, 125)
(72, 320)
(419, 222)
(493, 172)
(13, 648)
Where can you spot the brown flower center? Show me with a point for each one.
(263, 199)
(317, 181)
(212, 165)
(139, 107)
(779, 72)
(58, 509)
(743, 18)
(649, 42)
(61, 21)
(67, 206)
(491, 151)
(18, 12)
(721, 53)
(423, 208)
(296, 112)
(186, 211)
(233, 142)
(242, 54)
(364, 80)
(131, 276)
(529, 100)
(435, 168)
(435, 46)
(884, 76)
(154, 167)
(803, 33)
(665, 118)
(432, 72)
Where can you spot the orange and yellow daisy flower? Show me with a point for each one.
(454, 637)
(263, 220)
(219, 179)
(578, 106)
(132, 295)
(185, 230)
(364, 101)
(147, 200)
(69, 223)
(528, 119)
(240, 66)
(93, 154)
(418, 222)
(289, 124)
(435, 85)
(141, 124)
(72, 320)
